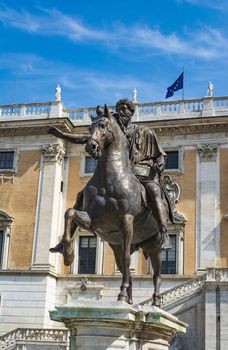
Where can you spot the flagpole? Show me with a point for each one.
(183, 85)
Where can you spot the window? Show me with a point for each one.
(168, 258)
(87, 255)
(172, 162)
(1, 246)
(5, 231)
(7, 160)
(90, 165)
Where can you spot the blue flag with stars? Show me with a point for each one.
(177, 85)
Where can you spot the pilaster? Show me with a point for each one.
(208, 206)
(48, 206)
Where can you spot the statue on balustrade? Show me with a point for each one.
(125, 202)
(210, 89)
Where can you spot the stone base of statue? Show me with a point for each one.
(113, 325)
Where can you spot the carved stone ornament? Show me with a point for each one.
(172, 189)
(53, 153)
(207, 152)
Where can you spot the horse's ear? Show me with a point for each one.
(99, 110)
(106, 111)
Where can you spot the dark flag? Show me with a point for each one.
(177, 85)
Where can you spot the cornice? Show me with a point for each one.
(17, 272)
(33, 126)
(162, 127)
(189, 126)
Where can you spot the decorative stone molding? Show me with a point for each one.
(172, 189)
(53, 338)
(217, 274)
(4, 178)
(53, 153)
(207, 152)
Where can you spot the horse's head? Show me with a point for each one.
(101, 132)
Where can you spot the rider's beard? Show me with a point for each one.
(124, 119)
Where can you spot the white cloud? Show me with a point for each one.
(206, 43)
(50, 22)
(38, 77)
(221, 5)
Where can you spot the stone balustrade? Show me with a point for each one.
(54, 337)
(193, 108)
(25, 111)
(180, 292)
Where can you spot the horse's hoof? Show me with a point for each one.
(58, 248)
(122, 297)
(68, 254)
(156, 300)
(156, 303)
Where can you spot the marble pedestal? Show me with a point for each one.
(98, 325)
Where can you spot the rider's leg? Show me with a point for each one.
(78, 206)
(159, 211)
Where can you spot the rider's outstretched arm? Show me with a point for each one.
(78, 139)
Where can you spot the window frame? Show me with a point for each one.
(80, 253)
(178, 230)
(167, 251)
(5, 226)
(180, 151)
(82, 166)
(99, 253)
(15, 160)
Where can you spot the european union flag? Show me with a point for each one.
(177, 85)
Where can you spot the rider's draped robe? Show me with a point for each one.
(145, 153)
(144, 150)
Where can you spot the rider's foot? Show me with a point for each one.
(58, 248)
(166, 244)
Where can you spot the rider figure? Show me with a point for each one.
(148, 162)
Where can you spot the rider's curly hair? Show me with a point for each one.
(127, 102)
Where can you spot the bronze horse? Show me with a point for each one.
(114, 206)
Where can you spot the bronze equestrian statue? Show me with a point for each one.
(114, 204)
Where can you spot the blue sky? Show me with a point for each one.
(98, 51)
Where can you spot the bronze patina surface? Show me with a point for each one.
(124, 202)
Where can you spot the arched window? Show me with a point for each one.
(5, 231)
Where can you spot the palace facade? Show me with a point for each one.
(40, 177)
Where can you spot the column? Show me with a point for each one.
(48, 207)
(207, 207)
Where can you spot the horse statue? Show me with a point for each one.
(114, 205)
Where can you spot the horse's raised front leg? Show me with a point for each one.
(81, 219)
(127, 231)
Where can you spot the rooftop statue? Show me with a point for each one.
(58, 93)
(210, 89)
(124, 202)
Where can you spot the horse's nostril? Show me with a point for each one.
(93, 147)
